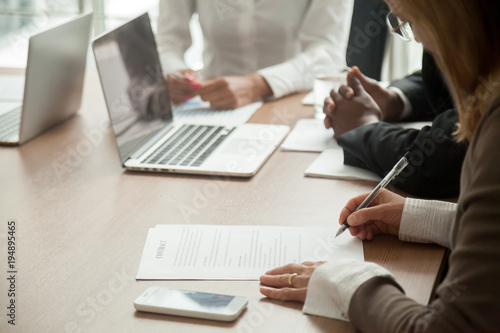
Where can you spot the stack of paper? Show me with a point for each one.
(310, 135)
(330, 164)
(226, 252)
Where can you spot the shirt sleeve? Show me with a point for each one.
(340, 278)
(427, 221)
(323, 37)
(173, 36)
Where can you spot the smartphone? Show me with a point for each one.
(189, 303)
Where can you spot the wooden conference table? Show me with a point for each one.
(82, 224)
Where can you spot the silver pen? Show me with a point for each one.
(403, 162)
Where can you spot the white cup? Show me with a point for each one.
(326, 79)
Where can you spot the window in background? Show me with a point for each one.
(401, 58)
(20, 19)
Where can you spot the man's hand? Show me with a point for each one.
(388, 101)
(351, 107)
(231, 92)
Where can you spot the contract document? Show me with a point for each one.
(226, 252)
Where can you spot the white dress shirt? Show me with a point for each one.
(333, 284)
(282, 40)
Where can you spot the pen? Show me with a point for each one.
(403, 162)
(187, 76)
(176, 74)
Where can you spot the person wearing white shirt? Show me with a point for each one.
(252, 49)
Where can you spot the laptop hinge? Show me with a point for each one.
(150, 142)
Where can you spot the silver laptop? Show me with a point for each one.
(53, 81)
(147, 136)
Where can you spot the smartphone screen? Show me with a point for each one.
(189, 300)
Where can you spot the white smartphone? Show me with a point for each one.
(193, 304)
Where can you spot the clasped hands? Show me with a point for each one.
(226, 92)
(361, 102)
(383, 216)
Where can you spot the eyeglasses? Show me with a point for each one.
(400, 28)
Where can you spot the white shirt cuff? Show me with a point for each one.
(427, 221)
(406, 102)
(333, 284)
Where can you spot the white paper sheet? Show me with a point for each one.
(226, 252)
(309, 135)
(308, 99)
(199, 112)
(11, 88)
(330, 164)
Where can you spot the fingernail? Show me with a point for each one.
(189, 76)
(195, 85)
(187, 97)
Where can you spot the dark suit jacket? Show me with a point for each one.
(435, 160)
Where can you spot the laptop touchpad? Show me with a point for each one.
(246, 147)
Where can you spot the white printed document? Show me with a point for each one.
(309, 135)
(227, 252)
(196, 111)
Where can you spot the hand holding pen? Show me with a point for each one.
(384, 217)
(182, 85)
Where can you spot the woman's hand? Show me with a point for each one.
(231, 92)
(289, 282)
(383, 216)
(180, 90)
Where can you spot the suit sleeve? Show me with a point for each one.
(435, 160)
(412, 87)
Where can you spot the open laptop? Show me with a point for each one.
(53, 81)
(140, 111)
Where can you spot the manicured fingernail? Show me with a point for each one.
(189, 76)
(187, 97)
(195, 85)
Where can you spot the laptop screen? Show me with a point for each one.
(133, 84)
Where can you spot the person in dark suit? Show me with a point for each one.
(359, 113)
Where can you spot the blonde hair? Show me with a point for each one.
(467, 49)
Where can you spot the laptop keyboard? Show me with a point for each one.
(190, 146)
(9, 124)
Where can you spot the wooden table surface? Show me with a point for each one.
(82, 223)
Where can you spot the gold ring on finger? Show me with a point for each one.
(290, 278)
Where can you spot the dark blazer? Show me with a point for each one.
(435, 160)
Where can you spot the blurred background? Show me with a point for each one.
(21, 18)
